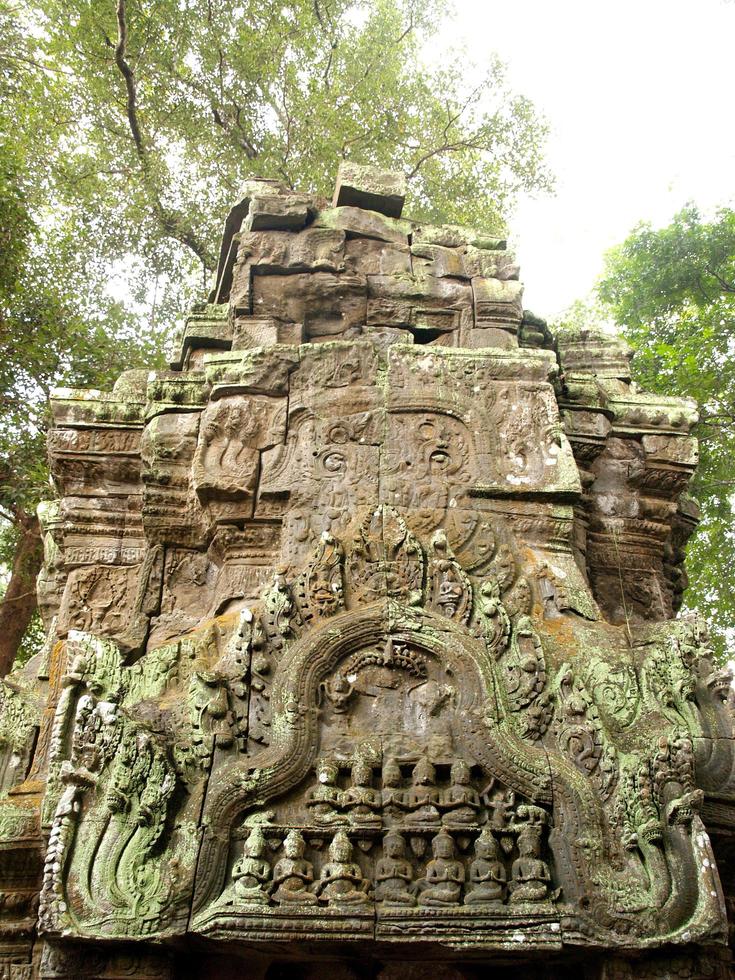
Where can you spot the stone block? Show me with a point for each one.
(384, 337)
(490, 263)
(370, 188)
(437, 261)
(358, 223)
(206, 330)
(277, 212)
(326, 304)
(254, 331)
(369, 257)
(310, 250)
(241, 288)
(491, 337)
(455, 236)
(591, 351)
(260, 371)
(497, 303)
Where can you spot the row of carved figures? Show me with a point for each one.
(423, 803)
(341, 882)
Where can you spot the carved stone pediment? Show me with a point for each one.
(360, 638)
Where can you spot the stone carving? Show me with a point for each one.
(531, 875)
(320, 589)
(293, 877)
(341, 881)
(460, 801)
(251, 873)
(386, 559)
(442, 884)
(360, 631)
(451, 592)
(523, 669)
(361, 801)
(422, 799)
(393, 873)
(325, 799)
(487, 875)
(19, 719)
(580, 733)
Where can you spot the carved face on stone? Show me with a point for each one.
(391, 773)
(442, 846)
(450, 588)
(528, 845)
(255, 844)
(394, 846)
(486, 847)
(424, 774)
(340, 849)
(326, 773)
(460, 772)
(293, 845)
(362, 774)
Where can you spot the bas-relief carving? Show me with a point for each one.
(348, 644)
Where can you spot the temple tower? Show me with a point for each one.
(363, 658)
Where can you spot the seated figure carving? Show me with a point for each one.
(293, 875)
(393, 873)
(325, 798)
(252, 872)
(460, 801)
(393, 797)
(445, 875)
(341, 881)
(487, 874)
(531, 875)
(361, 801)
(422, 798)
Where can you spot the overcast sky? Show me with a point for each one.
(638, 95)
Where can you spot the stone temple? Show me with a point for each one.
(363, 659)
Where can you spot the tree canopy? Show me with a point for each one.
(127, 127)
(673, 292)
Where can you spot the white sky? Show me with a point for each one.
(638, 96)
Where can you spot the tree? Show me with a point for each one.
(131, 125)
(171, 104)
(57, 326)
(673, 292)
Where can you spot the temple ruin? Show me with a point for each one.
(363, 654)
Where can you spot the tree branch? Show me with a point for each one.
(127, 73)
(727, 287)
(171, 223)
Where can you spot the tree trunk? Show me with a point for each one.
(19, 602)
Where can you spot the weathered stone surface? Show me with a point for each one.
(370, 257)
(365, 224)
(455, 236)
(498, 303)
(206, 330)
(361, 651)
(370, 189)
(325, 304)
(253, 331)
(312, 250)
(278, 211)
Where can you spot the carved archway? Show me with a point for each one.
(309, 663)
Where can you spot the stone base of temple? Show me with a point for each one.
(61, 961)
